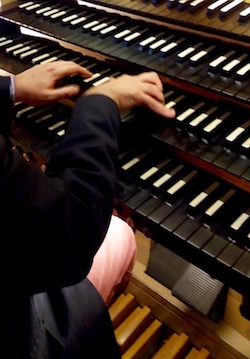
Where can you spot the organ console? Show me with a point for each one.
(184, 183)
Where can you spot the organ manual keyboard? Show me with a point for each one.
(184, 183)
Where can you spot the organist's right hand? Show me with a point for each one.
(129, 91)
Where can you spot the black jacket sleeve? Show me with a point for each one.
(6, 105)
(55, 223)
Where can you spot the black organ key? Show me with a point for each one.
(170, 47)
(201, 55)
(219, 208)
(212, 8)
(183, 117)
(230, 255)
(244, 15)
(244, 147)
(54, 10)
(33, 51)
(186, 229)
(180, 187)
(172, 3)
(202, 200)
(145, 43)
(235, 137)
(6, 41)
(162, 212)
(56, 57)
(243, 72)
(96, 30)
(226, 159)
(215, 246)
(150, 173)
(92, 80)
(185, 54)
(242, 265)
(200, 237)
(22, 110)
(80, 20)
(134, 165)
(111, 29)
(13, 48)
(134, 36)
(31, 6)
(118, 37)
(148, 206)
(61, 14)
(92, 23)
(216, 64)
(172, 103)
(156, 46)
(239, 166)
(229, 8)
(183, 4)
(194, 125)
(167, 179)
(239, 228)
(175, 219)
(233, 65)
(137, 199)
(215, 128)
(196, 5)
(30, 113)
(106, 78)
(66, 20)
(45, 56)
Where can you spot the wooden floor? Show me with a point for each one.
(227, 339)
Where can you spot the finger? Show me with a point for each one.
(68, 68)
(159, 108)
(60, 93)
(153, 78)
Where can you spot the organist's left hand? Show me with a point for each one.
(38, 84)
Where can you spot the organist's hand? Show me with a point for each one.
(38, 84)
(129, 91)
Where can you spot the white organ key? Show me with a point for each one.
(50, 12)
(246, 143)
(130, 163)
(43, 10)
(132, 36)
(233, 4)
(214, 207)
(24, 5)
(19, 51)
(215, 5)
(33, 7)
(198, 199)
(243, 16)
(108, 29)
(94, 76)
(176, 187)
(240, 221)
(243, 70)
(56, 125)
(147, 41)
(69, 18)
(90, 24)
(60, 13)
(234, 134)
(122, 34)
(99, 27)
(157, 44)
(78, 21)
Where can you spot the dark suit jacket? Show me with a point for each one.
(51, 228)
